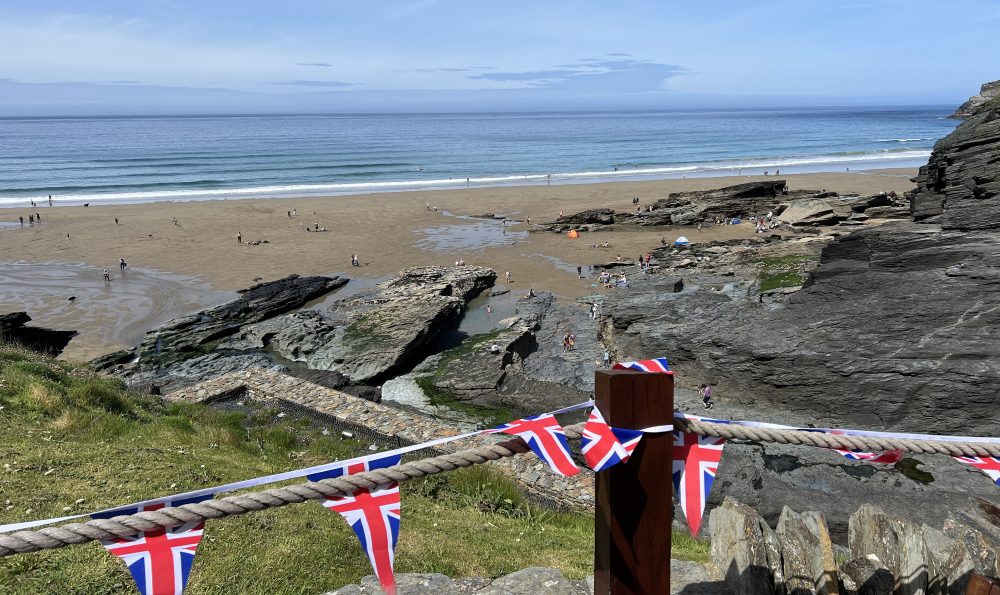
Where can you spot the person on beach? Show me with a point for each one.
(579, 272)
(531, 292)
(239, 237)
(593, 311)
(38, 217)
(289, 213)
(506, 276)
(33, 205)
(175, 221)
(31, 219)
(107, 276)
(706, 396)
(565, 342)
(572, 342)
(50, 200)
(122, 264)
(489, 310)
(116, 220)
(21, 219)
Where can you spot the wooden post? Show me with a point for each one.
(979, 585)
(634, 500)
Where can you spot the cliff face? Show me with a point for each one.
(960, 184)
(970, 107)
(898, 327)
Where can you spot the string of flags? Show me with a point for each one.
(160, 561)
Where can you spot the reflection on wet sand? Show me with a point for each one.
(107, 315)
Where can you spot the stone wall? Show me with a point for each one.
(539, 483)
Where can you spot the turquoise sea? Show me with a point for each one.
(139, 159)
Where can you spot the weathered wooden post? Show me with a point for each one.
(634, 500)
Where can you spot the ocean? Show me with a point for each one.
(140, 159)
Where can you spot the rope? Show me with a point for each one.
(125, 526)
(838, 441)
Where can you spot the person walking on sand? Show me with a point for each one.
(38, 217)
(122, 264)
(50, 200)
(21, 219)
(175, 221)
(116, 220)
(239, 237)
(107, 276)
(706, 396)
(579, 272)
(506, 274)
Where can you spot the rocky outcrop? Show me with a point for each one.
(960, 184)
(191, 347)
(986, 93)
(887, 556)
(13, 329)
(381, 332)
(528, 370)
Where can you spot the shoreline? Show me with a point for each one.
(792, 166)
(389, 232)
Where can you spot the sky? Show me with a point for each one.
(105, 57)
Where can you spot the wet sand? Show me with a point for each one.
(389, 231)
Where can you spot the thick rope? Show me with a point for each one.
(125, 526)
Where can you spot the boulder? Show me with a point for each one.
(898, 545)
(807, 559)
(745, 549)
(816, 212)
(876, 200)
(978, 529)
(687, 208)
(869, 576)
(531, 581)
(948, 563)
(13, 329)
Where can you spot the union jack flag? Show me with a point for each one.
(695, 462)
(374, 516)
(604, 446)
(645, 365)
(159, 561)
(546, 437)
(988, 465)
(889, 457)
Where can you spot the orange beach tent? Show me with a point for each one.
(572, 234)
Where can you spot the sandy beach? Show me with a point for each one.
(195, 263)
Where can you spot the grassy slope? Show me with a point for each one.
(75, 444)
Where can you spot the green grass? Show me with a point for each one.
(782, 271)
(76, 443)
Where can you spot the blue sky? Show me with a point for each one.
(183, 56)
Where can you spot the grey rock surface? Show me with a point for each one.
(961, 181)
(869, 576)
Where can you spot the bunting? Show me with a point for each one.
(159, 561)
(374, 516)
(988, 465)
(695, 462)
(656, 366)
(603, 446)
(546, 438)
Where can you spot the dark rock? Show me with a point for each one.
(815, 212)
(685, 208)
(975, 103)
(13, 330)
(870, 576)
(890, 212)
(876, 200)
(961, 181)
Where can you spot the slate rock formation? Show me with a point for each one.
(960, 184)
(973, 105)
